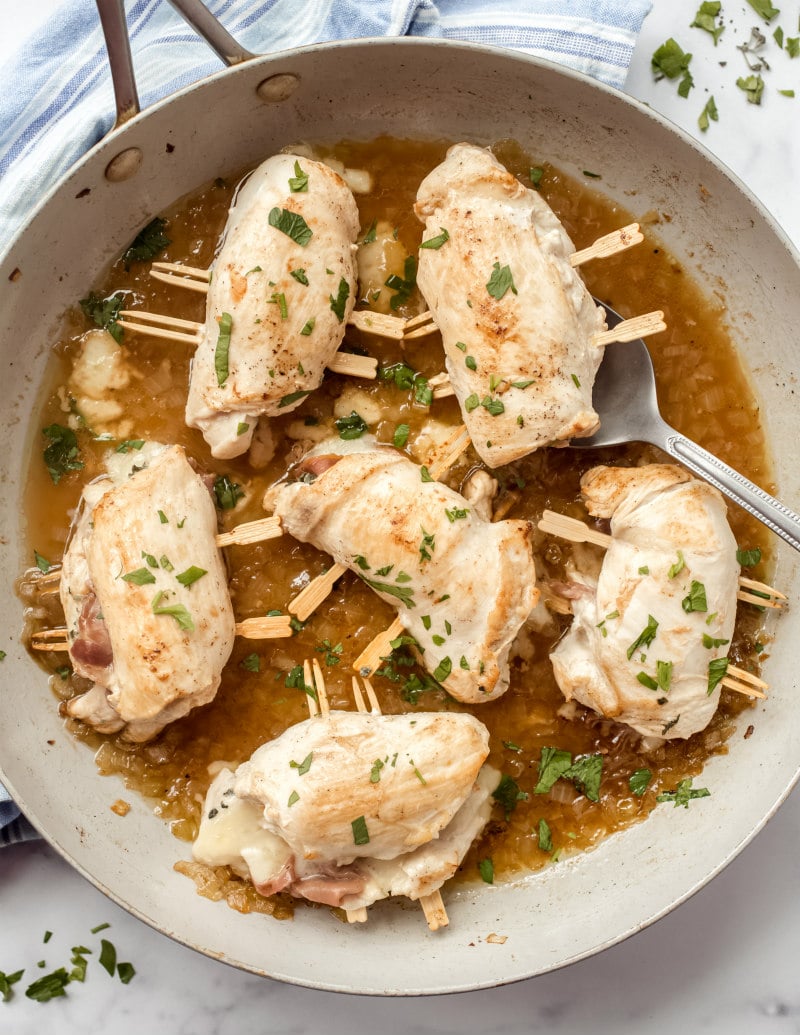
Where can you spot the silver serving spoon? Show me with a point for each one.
(625, 398)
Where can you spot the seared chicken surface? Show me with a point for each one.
(646, 632)
(145, 597)
(462, 586)
(353, 807)
(282, 288)
(516, 320)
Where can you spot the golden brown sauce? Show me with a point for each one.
(703, 392)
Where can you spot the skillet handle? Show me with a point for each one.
(206, 25)
(118, 45)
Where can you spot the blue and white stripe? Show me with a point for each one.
(58, 99)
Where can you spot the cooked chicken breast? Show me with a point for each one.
(282, 288)
(145, 597)
(462, 586)
(516, 320)
(289, 818)
(646, 632)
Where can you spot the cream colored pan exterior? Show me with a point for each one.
(414, 89)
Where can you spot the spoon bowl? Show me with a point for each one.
(626, 400)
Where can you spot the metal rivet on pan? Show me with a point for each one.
(278, 87)
(124, 165)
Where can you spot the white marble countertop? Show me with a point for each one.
(724, 962)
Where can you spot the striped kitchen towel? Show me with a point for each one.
(58, 100)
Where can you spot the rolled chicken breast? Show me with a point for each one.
(282, 289)
(145, 597)
(649, 639)
(462, 586)
(351, 808)
(517, 321)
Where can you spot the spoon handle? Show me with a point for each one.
(760, 504)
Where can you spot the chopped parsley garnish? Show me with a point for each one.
(553, 763)
(108, 956)
(251, 663)
(375, 772)
(403, 286)
(360, 832)
(438, 640)
(639, 781)
(129, 444)
(191, 575)
(472, 402)
(425, 474)
(62, 455)
(677, 567)
(493, 406)
(227, 492)
(242, 428)
(303, 767)
(710, 642)
(405, 594)
(6, 981)
(42, 563)
(748, 558)
(695, 599)
(670, 60)
(647, 681)
(331, 651)
(292, 224)
(401, 435)
(361, 561)
(339, 304)
(471, 363)
(585, 772)
(139, 577)
(308, 327)
(426, 621)
(684, 794)
(709, 112)
(645, 637)
(148, 243)
(294, 797)
(705, 19)
(51, 986)
(298, 183)
(162, 517)
(427, 545)
(463, 663)
(522, 384)
(295, 680)
(753, 86)
(456, 514)
(436, 242)
(644, 570)
(486, 870)
(443, 670)
(664, 675)
(351, 427)
(292, 397)
(500, 281)
(716, 673)
(765, 9)
(104, 312)
(278, 298)
(544, 836)
(592, 175)
(535, 174)
(125, 972)
(576, 380)
(150, 559)
(299, 275)
(176, 611)
(371, 234)
(508, 794)
(384, 570)
(222, 349)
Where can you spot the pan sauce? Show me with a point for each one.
(702, 390)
